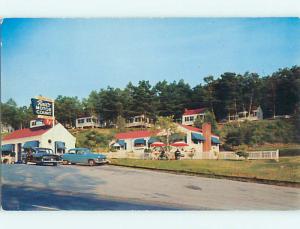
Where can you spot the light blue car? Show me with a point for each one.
(83, 156)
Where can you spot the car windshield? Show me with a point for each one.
(79, 151)
(83, 150)
(43, 150)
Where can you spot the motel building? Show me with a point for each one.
(199, 141)
(57, 138)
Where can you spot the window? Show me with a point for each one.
(71, 151)
(192, 118)
(88, 120)
(80, 120)
(186, 119)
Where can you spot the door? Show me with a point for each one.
(80, 157)
(19, 152)
(70, 156)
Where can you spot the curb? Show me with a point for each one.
(234, 178)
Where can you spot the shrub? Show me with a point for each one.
(147, 150)
(92, 139)
(289, 152)
(113, 149)
(259, 132)
(242, 154)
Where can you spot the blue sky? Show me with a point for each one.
(72, 57)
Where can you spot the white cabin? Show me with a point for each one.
(88, 122)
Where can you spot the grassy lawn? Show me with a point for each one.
(287, 169)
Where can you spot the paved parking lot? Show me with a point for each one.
(74, 187)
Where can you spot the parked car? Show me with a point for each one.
(83, 156)
(41, 156)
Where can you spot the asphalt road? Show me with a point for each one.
(74, 187)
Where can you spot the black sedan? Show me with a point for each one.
(42, 156)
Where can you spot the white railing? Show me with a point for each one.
(256, 155)
(253, 155)
(228, 156)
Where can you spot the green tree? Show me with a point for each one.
(93, 139)
(67, 109)
(120, 124)
(209, 92)
(209, 117)
(143, 101)
(9, 114)
(166, 126)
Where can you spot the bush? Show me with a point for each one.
(113, 149)
(242, 154)
(92, 139)
(289, 152)
(147, 150)
(259, 132)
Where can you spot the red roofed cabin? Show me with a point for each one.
(189, 116)
(134, 140)
(57, 138)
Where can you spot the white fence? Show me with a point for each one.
(253, 155)
(264, 155)
(125, 154)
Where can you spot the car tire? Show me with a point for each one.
(91, 162)
(65, 162)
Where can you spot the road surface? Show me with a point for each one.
(75, 187)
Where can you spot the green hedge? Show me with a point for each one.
(289, 152)
(259, 132)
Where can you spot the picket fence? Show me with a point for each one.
(253, 155)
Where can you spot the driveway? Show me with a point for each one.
(73, 187)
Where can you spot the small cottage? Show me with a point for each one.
(138, 121)
(189, 116)
(255, 114)
(87, 122)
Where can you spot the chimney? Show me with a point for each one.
(206, 130)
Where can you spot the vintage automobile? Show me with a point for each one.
(41, 156)
(83, 156)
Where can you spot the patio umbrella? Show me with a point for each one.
(158, 144)
(179, 144)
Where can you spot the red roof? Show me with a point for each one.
(135, 134)
(191, 128)
(195, 129)
(194, 111)
(25, 133)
